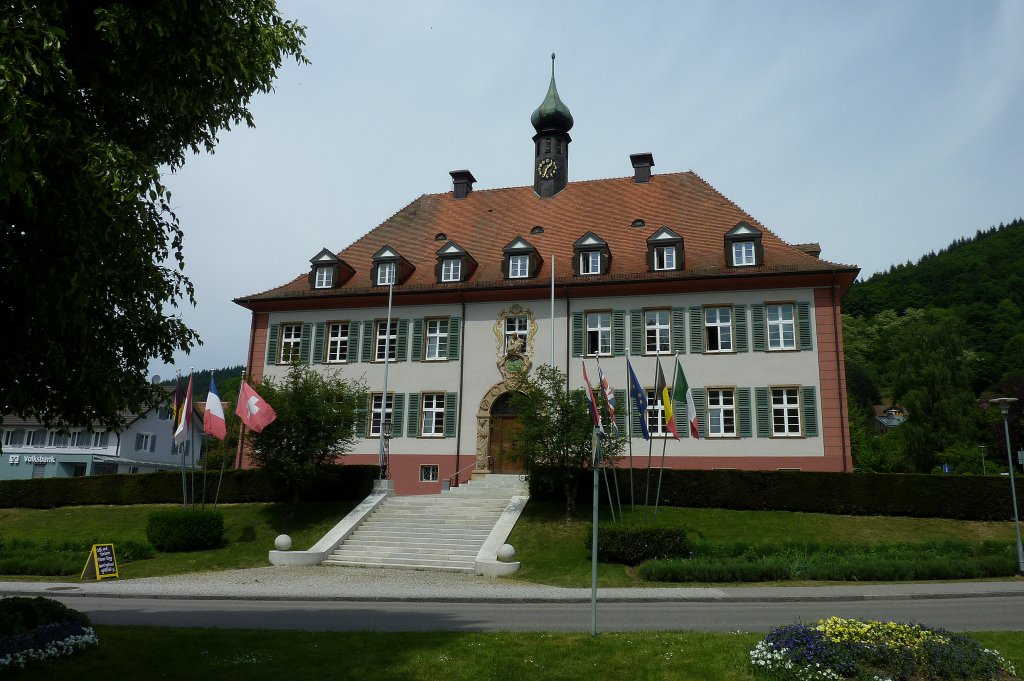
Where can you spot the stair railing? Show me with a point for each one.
(453, 480)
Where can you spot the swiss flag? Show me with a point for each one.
(254, 411)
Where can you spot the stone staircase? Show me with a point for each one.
(441, 532)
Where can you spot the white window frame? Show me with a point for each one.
(291, 343)
(664, 258)
(780, 321)
(718, 331)
(376, 417)
(11, 439)
(786, 411)
(599, 329)
(145, 442)
(383, 329)
(435, 346)
(451, 269)
(519, 266)
(432, 415)
(324, 277)
(590, 262)
(721, 412)
(99, 439)
(657, 327)
(76, 439)
(743, 254)
(516, 326)
(55, 438)
(428, 472)
(337, 338)
(386, 273)
(655, 416)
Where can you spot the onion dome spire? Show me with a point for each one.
(552, 114)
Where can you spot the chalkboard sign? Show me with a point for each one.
(101, 563)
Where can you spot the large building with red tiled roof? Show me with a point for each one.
(488, 283)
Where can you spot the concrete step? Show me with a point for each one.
(469, 569)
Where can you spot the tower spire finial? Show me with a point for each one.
(552, 64)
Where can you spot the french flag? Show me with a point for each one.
(213, 417)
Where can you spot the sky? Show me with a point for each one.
(881, 130)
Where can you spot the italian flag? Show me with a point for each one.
(681, 393)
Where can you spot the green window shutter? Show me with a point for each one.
(454, 337)
(352, 351)
(744, 427)
(637, 430)
(700, 401)
(809, 402)
(451, 401)
(803, 326)
(636, 332)
(305, 342)
(359, 420)
(620, 410)
(739, 328)
(273, 331)
(319, 340)
(679, 416)
(577, 334)
(403, 340)
(696, 330)
(619, 333)
(414, 415)
(678, 330)
(764, 412)
(417, 340)
(397, 414)
(368, 340)
(758, 331)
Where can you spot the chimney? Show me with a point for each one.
(642, 164)
(462, 183)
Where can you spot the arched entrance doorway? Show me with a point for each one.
(504, 425)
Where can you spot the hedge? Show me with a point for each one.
(962, 497)
(335, 483)
(177, 529)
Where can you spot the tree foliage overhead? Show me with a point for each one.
(95, 98)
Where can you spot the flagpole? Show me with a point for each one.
(224, 459)
(192, 435)
(384, 396)
(553, 310)
(629, 434)
(593, 553)
(177, 396)
(661, 470)
(650, 445)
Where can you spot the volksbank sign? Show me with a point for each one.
(15, 459)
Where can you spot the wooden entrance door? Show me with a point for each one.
(504, 426)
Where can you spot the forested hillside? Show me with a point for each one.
(935, 337)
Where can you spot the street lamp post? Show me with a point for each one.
(1004, 407)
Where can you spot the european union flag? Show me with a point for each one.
(639, 396)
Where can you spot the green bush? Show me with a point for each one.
(634, 545)
(185, 530)
(19, 614)
(30, 557)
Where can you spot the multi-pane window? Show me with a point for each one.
(599, 333)
(428, 473)
(76, 439)
(99, 439)
(56, 439)
(386, 273)
(387, 339)
(590, 262)
(743, 253)
(380, 412)
(718, 329)
(14, 438)
(451, 269)
(291, 343)
(37, 438)
(781, 328)
(657, 328)
(437, 339)
(721, 412)
(655, 414)
(433, 415)
(324, 277)
(785, 412)
(163, 413)
(518, 266)
(145, 442)
(337, 341)
(516, 329)
(665, 258)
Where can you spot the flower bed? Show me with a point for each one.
(836, 649)
(36, 629)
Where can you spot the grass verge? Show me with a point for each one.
(159, 653)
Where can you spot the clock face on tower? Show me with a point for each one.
(547, 168)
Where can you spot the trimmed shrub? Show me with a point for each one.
(634, 545)
(19, 614)
(184, 530)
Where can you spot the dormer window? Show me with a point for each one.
(743, 246)
(592, 255)
(328, 270)
(324, 277)
(664, 251)
(521, 260)
(386, 273)
(454, 264)
(390, 268)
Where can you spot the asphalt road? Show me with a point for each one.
(956, 614)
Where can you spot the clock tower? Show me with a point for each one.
(552, 121)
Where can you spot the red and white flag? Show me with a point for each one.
(184, 415)
(213, 417)
(254, 411)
